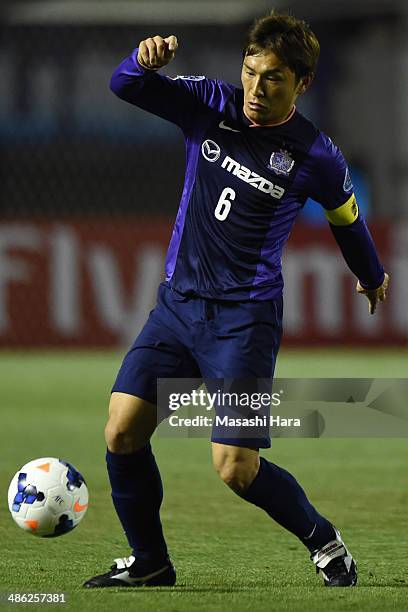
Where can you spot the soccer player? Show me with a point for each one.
(252, 161)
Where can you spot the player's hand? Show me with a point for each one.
(374, 295)
(157, 51)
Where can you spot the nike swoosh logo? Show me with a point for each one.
(226, 127)
(79, 507)
(125, 576)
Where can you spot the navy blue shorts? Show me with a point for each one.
(192, 337)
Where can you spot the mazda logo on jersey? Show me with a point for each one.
(210, 150)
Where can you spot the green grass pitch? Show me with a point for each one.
(229, 555)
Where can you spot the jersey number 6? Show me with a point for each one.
(224, 204)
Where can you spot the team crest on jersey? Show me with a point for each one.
(347, 185)
(188, 78)
(281, 162)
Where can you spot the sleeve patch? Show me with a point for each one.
(345, 214)
(347, 184)
(188, 78)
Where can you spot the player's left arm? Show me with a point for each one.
(357, 246)
(334, 190)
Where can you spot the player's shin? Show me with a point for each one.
(137, 494)
(278, 493)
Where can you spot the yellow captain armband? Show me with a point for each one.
(345, 214)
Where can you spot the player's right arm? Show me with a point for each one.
(179, 99)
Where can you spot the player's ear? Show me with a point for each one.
(304, 84)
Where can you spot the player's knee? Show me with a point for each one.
(130, 424)
(238, 475)
(119, 439)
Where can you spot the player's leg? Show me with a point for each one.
(276, 491)
(248, 359)
(133, 473)
(135, 480)
(137, 494)
(247, 345)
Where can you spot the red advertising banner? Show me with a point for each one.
(92, 283)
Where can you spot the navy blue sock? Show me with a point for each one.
(137, 494)
(281, 496)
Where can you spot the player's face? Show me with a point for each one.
(270, 88)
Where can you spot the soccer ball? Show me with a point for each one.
(48, 497)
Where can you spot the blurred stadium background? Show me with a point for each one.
(90, 185)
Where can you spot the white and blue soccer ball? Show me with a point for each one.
(48, 497)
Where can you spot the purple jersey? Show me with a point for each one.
(244, 186)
